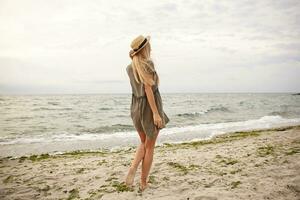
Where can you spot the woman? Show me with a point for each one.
(146, 107)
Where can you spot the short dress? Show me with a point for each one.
(140, 110)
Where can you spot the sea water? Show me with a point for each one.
(31, 124)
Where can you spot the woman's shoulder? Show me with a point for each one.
(149, 67)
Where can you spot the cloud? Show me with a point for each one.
(210, 46)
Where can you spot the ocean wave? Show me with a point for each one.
(110, 129)
(192, 114)
(264, 122)
(19, 118)
(53, 103)
(279, 113)
(105, 108)
(216, 109)
(46, 108)
(172, 134)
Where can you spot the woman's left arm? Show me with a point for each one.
(152, 103)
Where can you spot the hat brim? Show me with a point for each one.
(135, 52)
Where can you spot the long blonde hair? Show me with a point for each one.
(143, 67)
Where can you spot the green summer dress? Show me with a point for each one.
(140, 110)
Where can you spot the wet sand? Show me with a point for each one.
(260, 164)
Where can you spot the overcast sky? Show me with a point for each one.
(60, 46)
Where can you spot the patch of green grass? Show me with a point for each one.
(218, 156)
(22, 159)
(226, 160)
(292, 151)
(44, 156)
(284, 128)
(178, 166)
(101, 162)
(34, 157)
(218, 139)
(152, 179)
(285, 161)
(121, 186)
(39, 157)
(193, 166)
(168, 145)
(235, 171)
(114, 186)
(229, 161)
(8, 179)
(265, 150)
(82, 153)
(182, 168)
(243, 134)
(74, 193)
(202, 142)
(228, 137)
(234, 184)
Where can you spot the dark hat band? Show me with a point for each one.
(142, 44)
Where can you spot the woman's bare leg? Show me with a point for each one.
(147, 161)
(139, 155)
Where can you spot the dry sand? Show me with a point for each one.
(243, 165)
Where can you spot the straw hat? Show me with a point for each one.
(138, 43)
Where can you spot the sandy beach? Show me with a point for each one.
(261, 164)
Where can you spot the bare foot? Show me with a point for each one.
(130, 177)
(143, 186)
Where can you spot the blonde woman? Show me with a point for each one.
(146, 107)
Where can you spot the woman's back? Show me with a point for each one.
(138, 88)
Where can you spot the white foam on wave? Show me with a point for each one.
(263, 122)
(207, 131)
(174, 134)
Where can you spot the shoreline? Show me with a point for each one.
(256, 164)
(56, 143)
(129, 147)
